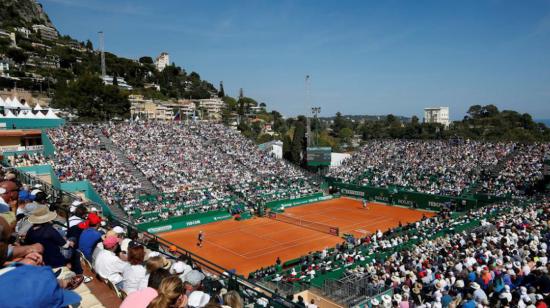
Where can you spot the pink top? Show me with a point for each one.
(139, 299)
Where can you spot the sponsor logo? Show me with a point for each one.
(405, 202)
(436, 204)
(193, 222)
(352, 192)
(382, 198)
(160, 229)
(221, 217)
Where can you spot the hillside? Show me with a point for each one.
(40, 59)
(22, 13)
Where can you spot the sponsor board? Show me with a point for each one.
(160, 229)
(436, 204)
(222, 217)
(384, 199)
(352, 192)
(405, 202)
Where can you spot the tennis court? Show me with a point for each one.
(250, 244)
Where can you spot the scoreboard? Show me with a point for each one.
(318, 156)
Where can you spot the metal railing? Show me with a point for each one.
(351, 289)
(250, 291)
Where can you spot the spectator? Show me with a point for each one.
(108, 265)
(33, 286)
(44, 233)
(233, 299)
(90, 236)
(142, 298)
(134, 276)
(170, 294)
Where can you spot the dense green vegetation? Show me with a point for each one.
(344, 133)
(92, 100)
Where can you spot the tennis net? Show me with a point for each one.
(332, 230)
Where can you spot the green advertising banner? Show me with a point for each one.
(281, 204)
(401, 197)
(186, 221)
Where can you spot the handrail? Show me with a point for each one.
(57, 195)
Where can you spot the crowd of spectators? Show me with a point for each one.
(202, 166)
(28, 159)
(45, 258)
(442, 167)
(79, 156)
(501, 263)
(520, 173)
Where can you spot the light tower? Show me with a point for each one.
(308, 121)
(102, 48)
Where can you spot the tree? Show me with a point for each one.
(221, 93)
(297, 146)
(346, 134)
(489, 111)
(230, 102)
(17, 55)
(91, 99)
(146, 60)
(89, 45)
(263, 138)
(474, 111)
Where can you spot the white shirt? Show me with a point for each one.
(109, 266)
(134, 278)
(74, 220)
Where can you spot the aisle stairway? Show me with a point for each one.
(494, 171)
(146, 185)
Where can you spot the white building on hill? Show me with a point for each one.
(437, 115)
(162, 61)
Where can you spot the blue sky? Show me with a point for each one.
(364, 57)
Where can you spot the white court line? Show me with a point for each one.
(228, 249)
(303, 239)
(287, 247)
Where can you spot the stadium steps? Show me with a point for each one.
(146, 185)
(493, 172)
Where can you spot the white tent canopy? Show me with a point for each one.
(37, 107)
(16, 104)
(51, 115)
(9, 114)
(25, 115)
(39, 115)
(26, 106)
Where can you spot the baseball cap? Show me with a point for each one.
(110, 241)
(24, 195)
(118, 230)
(93, 219)
(198, 299)
(194, 277)
(33, 286)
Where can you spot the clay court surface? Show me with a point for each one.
(250, 244)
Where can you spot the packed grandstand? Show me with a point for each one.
(490, 255)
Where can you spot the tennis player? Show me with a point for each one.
(365, 204)
(200, 239)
